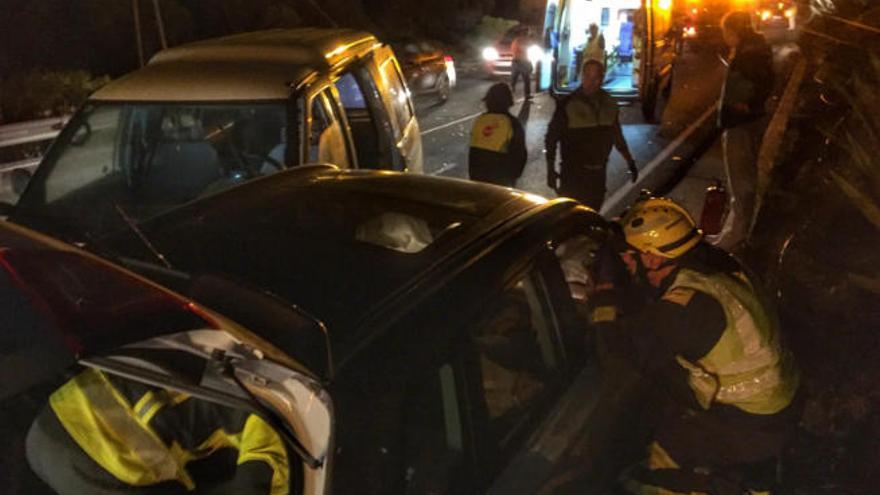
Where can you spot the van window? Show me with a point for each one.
(326, 140)
(147, 158)
(369, 122)
(399, 95)
(350, 93)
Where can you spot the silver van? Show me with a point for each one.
(206, 115)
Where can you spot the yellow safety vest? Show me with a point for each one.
(492, 132)
(747, 368)
(117, 435)
(599, 111)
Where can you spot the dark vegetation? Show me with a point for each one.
(816, 240)
(80, 43)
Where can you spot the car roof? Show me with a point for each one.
(260, 65)
(274, 233)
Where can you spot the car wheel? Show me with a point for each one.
(443, 88)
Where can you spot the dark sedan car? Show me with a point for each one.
(455, 355)
(427, 67)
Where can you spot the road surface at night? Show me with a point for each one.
(446, 128)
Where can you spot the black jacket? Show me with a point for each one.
(749, 81)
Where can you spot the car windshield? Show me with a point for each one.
(144, 159)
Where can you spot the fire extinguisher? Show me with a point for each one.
(714, 209)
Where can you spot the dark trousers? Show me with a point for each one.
(521, 68)
(585, 184)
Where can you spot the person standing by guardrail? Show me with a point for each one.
(747, 85)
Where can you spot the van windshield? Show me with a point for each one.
(138, 160)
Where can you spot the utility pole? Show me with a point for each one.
(136, 13)
(160, 24)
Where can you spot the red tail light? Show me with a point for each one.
(96, 305)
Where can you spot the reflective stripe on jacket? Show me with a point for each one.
(130, 436)
(747, 367)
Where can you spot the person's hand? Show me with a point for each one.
(633, 171)
(552, 179)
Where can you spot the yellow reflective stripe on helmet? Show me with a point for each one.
(746, 368)
(599, 112)
(492, 132)
(103, 424)
(260, 442)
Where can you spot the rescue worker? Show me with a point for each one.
(711, 339)
(747, 85)
(498, 141)
(594, 49)
(585, 126)
(101, 434)
(521, 66)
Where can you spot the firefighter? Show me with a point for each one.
(586, 126)
(101, 435)
(498, 144)
(711, 341)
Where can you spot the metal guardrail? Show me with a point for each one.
(29, 132)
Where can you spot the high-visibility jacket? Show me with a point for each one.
(747, 367)
(583, 127)
(497, 149)
(145, 436)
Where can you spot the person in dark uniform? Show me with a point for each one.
(748, 84)
(710, 340)
(104, 435)
(498, 143)
(520, 65)
(585, 126)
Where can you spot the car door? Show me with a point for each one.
(591, 421)
(368, 118)
(327, 139)
(399, 106)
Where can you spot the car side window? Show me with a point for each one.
(326, 140)
(520, 359)
(434, 433)
(399, 95)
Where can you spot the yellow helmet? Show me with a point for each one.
(660, 226)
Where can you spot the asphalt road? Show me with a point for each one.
(445, 128)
